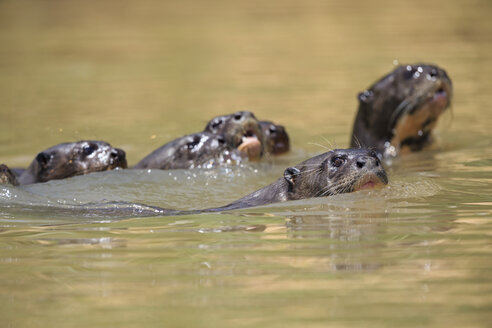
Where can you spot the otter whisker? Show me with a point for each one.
(319, 145)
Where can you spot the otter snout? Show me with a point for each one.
(371, 169)
(367, 162)
(118, 158)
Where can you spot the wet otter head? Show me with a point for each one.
(6, 176)
(398, 112)
(335, 172)
(69, 159)
(241, 131)
(275, 137)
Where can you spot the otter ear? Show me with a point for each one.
(43, 158)
(291, 174)
(365, 96)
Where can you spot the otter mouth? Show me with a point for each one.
(370, 181)
(440, 98)
(250, 145)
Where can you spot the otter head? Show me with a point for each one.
(199, 150)
(70, 159)
(398, 112)
(337, 171)
(275, 137)
(6, 176)
(241, 131)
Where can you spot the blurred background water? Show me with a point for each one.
(138, 74)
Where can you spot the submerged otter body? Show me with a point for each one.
(6, 176)
(398, 112)
(70, 159)
(191, 151)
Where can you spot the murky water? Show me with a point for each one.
(137, 74)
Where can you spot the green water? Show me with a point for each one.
(138, 74)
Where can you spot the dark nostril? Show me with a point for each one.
(115, 153)
(361, 164)
(377, 163)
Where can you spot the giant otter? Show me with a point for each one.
(241, 131)
(6, 176)
(398, 112)
(195, 150)
(275, 138)
(69, 159)
(334, 172)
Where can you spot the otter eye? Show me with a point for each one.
(337, 161)
(238, 116)
(89, 149)
(193, 143)
(221, 140)
(272, 128)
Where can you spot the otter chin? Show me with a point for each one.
(399, 112)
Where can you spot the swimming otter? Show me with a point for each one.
(275, 138)
(334, 172)
(241, 130)
(398, 112)
(191, 151)
(76, 158)
(6, 176)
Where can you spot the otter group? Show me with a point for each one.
(396, 115)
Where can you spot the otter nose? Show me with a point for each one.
(117, 153)
(118, 158)
(367, 161)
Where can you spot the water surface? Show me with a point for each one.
(138, 74)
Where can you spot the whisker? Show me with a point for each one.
(319, 145)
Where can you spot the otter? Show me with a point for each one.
(197, 150)
(242, 131)
(397, 113)
(335, 172)
(6, 176)
(70, 159)
(275, 137)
